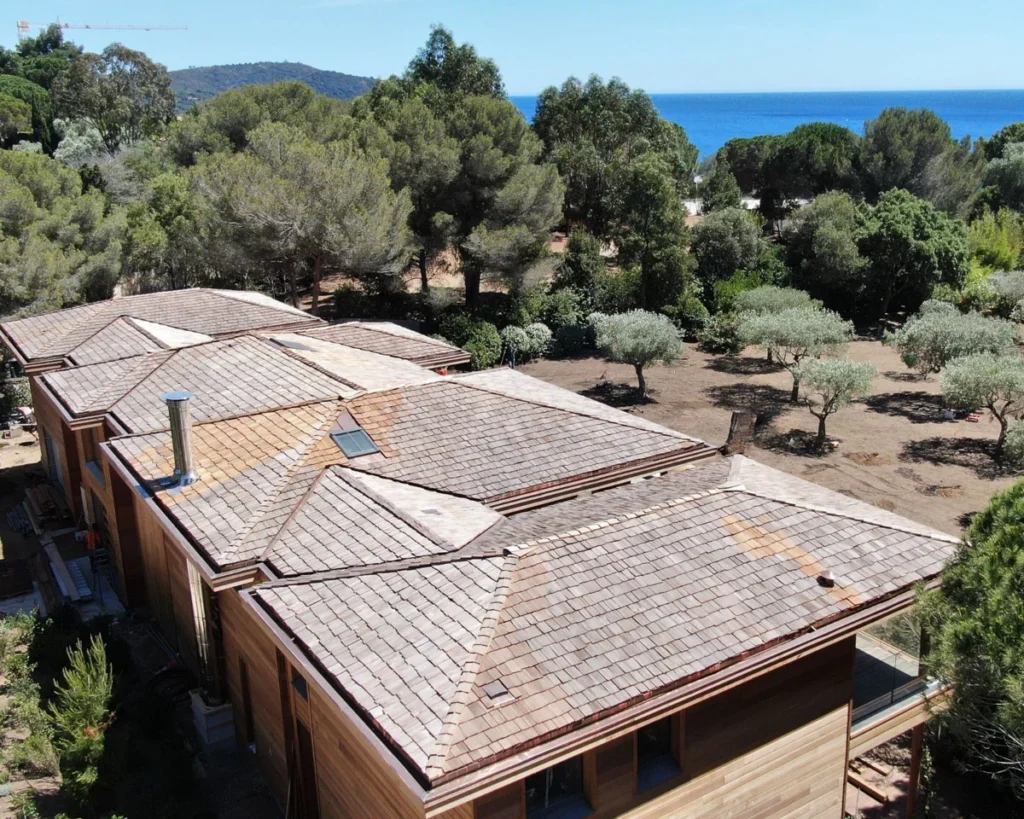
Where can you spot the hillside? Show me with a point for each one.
(192, 85)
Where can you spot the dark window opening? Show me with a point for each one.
(655, 759)
(557, 793)
(247, 718)
(355, 443)
(300, 686)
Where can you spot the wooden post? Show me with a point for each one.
(741, 432)
(916, 747)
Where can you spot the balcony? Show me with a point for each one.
(887, 667)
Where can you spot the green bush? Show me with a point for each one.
(81, 715)
(689, 315)
(721, 335)
(561, 307)
(515, 344)
(539, 337)
(483, 345)
(618, 292)
(572, 339)
(727, 290)
(1013, 447)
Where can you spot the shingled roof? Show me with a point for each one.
(228, 377)
(132, 325)
(388, 338)
(652, 584)
(453, 436)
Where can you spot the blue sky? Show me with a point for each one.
(657, 45)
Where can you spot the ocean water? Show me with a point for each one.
(711, 120)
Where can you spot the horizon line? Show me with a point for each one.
(809, 91)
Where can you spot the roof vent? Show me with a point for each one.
(827, 579)
(497, 693)
(181, 438)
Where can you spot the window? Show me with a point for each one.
(355, 443)
(557, 793)
(655, 760)
(300, 686)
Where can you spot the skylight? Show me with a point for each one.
(355, 443)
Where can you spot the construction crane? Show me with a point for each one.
(25, 28)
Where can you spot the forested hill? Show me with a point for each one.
(192, 85)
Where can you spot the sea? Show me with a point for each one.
(711, 120)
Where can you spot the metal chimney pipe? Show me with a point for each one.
(181, 437)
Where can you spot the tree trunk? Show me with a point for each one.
(424, 283)
(794, 396)
(769, 355)
(819, 442)
(293, 287)
(641, 380)
(318, 266)
(1001, 441)
(472, 278)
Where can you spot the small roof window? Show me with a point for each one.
(355, 443)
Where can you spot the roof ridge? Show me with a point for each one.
(404, 564)
(813, 507)
(380, 500)
(265, 555)
(92, 335)
(604, 523)
(668, 434)
(313, 439)
(471, 668)
(134, 320)
(163, 355)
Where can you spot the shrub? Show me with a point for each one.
(582, 266)
(1013, 446)
(937, 306)
(81, 714)
(1009, 290)
(515, 342)
(726, 291)
(483, 345)
(946, 293)
(721, 335)
(539, 338)
(931, 340)
(771, 299)
(572, 339)
(638, 338)
(618, 292)
(561, 307)
(690, 316)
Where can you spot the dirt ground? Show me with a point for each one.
(894, 448)
(18, 458)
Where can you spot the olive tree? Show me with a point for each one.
(929, 341)
(638, 338)
(830, 384)
(794, 335)
(771, 299)
(995, 382)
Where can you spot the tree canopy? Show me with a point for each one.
(122, 92)
(795, 334)
(591, 130)
(726, 241)
(830, 384)
(928, 342)
(898, 146)
(987, 380)
(975, 622)
(638, 338)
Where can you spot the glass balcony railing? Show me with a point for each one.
(887, 667)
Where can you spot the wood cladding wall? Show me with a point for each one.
(49, 420)
(166, 577)
(355, 781)
(773, 747)
(245, 642)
